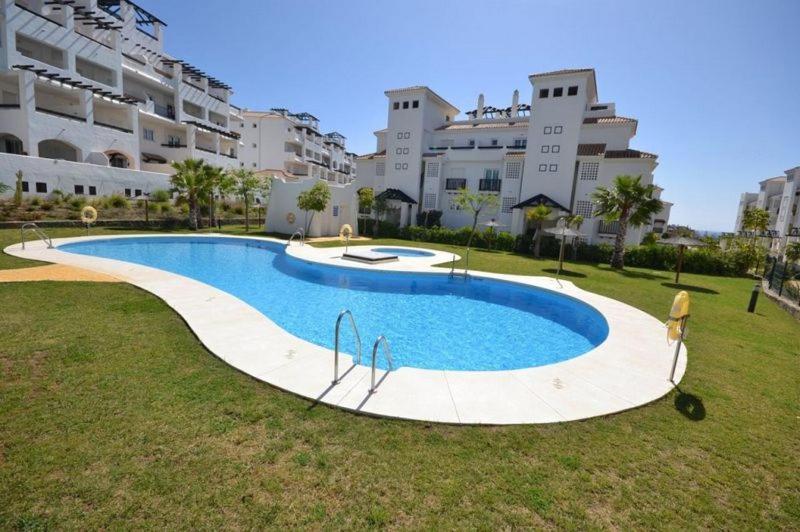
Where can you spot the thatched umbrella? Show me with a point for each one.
(563, 232)
(682, 242)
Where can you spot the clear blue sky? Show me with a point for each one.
(715, 84)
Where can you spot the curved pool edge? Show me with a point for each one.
(629, 369)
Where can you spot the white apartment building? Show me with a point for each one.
(780, 196)
(92, 104)
(554, 151)
(289, 148)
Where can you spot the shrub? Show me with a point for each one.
(239, 210)
(160, 196)
(36, 201)
(47, 206)
(116, 201)
(429, 218)
(165, 208)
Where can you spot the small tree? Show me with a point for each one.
(755, 220)
(476, 204)
(793, 252)
(219, 183)
(192, 185)
(313, 200)
(18, 189)
(246, 185)
(366, 198)
(538, 215)
(379, 207)
(575, 221)
(628, 202)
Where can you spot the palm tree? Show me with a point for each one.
(538, 215)
(192, 184)
(626, 201)
(575, 221)
(219, 184)
(475, 203)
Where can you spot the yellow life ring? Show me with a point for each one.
(290, 217)
(88, 215)
(346, 231)
(680, 309)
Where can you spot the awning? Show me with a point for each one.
(395, 194)
(540, 199)
(153, 158)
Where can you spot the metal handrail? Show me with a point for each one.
(336, 344)
(37, 231)
(387, 352)
(301, 233)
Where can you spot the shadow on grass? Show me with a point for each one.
(690, 405)
(564, 273)
(690, 288)
(636, 275)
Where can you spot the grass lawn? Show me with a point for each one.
(112, 415)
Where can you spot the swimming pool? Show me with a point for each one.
(432, 321)
(404, 252)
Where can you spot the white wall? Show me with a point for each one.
(283, 201)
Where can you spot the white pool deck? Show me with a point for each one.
(629, 369)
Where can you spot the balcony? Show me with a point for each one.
(59, 113)
(455, 184)
(164, 110)
(489, 185)
(112, 126)
(206, 149)
(174, 145)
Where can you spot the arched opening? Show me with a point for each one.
(57, 149)
(10, 144)
(118, 159)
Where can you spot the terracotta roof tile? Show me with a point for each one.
(483, 125)
(376, 155)
(629, 154)
(562, 72)
(591, 149)
(610, 120)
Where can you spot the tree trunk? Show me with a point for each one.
(308, 225)
(375, 227)
(193, 213)
(537, 241)
(618, 258)
(246, 216)
(469, 241)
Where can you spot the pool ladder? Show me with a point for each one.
(387, 352)
(30, 226)
(299, 233)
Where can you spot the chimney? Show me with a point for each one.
(479, 110)
(514, 103)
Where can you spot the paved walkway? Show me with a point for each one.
(629, 369)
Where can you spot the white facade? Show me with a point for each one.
(780, 196)
(556, 151)
(289, 148)
(88, 81)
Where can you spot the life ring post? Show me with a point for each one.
(678, 345)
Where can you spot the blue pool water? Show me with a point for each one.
(403, 252)
(431, 321)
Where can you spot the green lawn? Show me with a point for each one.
(112, 415)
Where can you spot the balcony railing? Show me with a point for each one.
(489, 185)
(111, 126)
(59, 113)
(207, 150)
(174, 145)
(608, 228)
(163, 110)
(455, 184)
(9, 106)
(518, 145)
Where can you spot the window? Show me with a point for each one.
(513, 169)
(241, 164)
(25, 186)
(128, 192)
(415, 104)
(399, 134)
(507, 204)
(405, 166)
(471, 142)
(137, 192)
(149, 134)
(542, 167)
(554, 168)
(255, 125)
(432, 170)
(41, 188)
(429, 201)
(548, 130)
(455, 184)
(494, 142)
(407, 135)
(491, 173)
(405, 151)
(335, 211)
(405, 105)
(398, 151)
(545, 148)
(555, 148)
(397, 166)
(583, 208)
(520, 143)
(254, 145)
(92, 190)
(79, 189)
(241, 124)
(380, 168)
(544, 93)
(396, 106)
(589, 171)
(558, 92)
(254, 165)
(557, 130)
(572, 91)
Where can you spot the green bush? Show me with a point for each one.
(46, 206)
(36, 201)
(160, 196)
(116, 201)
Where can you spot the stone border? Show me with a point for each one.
(629, 369)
